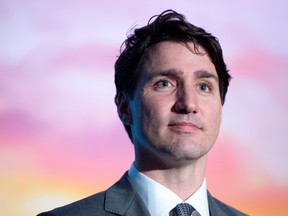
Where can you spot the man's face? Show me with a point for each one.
(175, 114)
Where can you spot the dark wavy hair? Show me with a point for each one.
(168, 26)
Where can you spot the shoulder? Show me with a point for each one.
(117, 198)
(220, 208)
(83, 207)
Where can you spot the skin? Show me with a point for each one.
(175, 115)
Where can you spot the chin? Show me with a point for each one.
(188, 151)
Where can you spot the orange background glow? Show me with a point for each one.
(60, 137)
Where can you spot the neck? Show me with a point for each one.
(183, 180)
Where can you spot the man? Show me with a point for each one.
(171, 83)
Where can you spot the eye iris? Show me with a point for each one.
(203, 88)
(165, 83)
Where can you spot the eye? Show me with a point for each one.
(163, 84)
(204, 87)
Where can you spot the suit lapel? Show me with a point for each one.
(214, 208)
(122, 199)
(218, 208)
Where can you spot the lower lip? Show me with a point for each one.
(184, 128)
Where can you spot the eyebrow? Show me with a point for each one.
(205, 74)
(175, 73)
(165, 73)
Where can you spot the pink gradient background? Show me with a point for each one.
(60, 137)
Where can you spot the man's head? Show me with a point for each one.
(169, 26)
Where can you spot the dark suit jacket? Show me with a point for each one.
(123, 199)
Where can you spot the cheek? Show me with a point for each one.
(143, 112)
(146, 124)
(150, 112)
(216, 118)
(154, 104)
(155, 111)
(213, 115)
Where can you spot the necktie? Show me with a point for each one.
(183, 209)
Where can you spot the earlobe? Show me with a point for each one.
(123, 109)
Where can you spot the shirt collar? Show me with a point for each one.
(160, 200)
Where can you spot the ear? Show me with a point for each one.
(123, 109)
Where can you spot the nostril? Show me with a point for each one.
(184, 108)
(182, 111)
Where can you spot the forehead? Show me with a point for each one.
(182, 57)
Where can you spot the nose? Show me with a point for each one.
(186, 102)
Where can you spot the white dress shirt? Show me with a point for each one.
(160, 200)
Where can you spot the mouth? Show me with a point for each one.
(184, 126)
